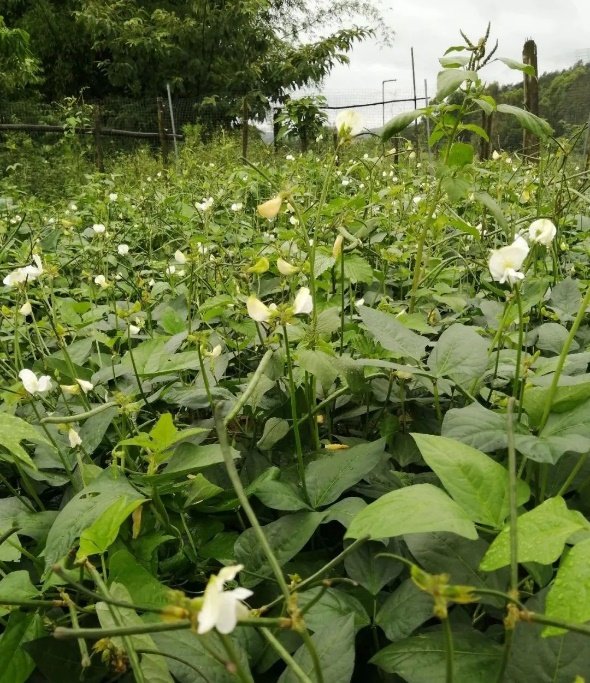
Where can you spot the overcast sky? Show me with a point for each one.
(560, 29)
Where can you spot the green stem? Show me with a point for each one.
(65, 419)
(245, 503)
(297, 671)
(512, 494)
(572, 475)
(517, 368)
(293, 401)
(63, 633)
(449, 650)
(230, 650)
(249, 389)
(342, 313)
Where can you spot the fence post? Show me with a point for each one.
(162, 130)
(97, 140)
(244, 128)
(485, 145)
(276, 128)
(530, 142)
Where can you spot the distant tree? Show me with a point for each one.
(18, 67)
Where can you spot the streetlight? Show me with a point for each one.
(389, 80)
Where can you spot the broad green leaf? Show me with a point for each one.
(474, 128)
(528, 69)
(556, 660)
(565, 299)
(493, 207)
(58, 661)
(460, 154)
(280, 495)
(569, 431)
(422, 658)
(473, 479)
(84, 508)
(442, 553)
(334, 645)
(569, 598)
(94, 428)
(332, 604)
(275, 428)
(450, 79)
(454, 61)
(542, 534)
(16, 586)
(400, 122)
(189, 458)
(199, 490)
(320, 365)
(414, 509)
(460, 354)
(142, 586)
(404, 611)
(357, 269)
(487, 104)
(534, 124)
(14, 430)
(393, 335)
(550, 337)
(286, 536)
(17, 665)
(329, 477)
(102, 533)
(371, 572)
(344, 511)
(566, 398)
(154, 667)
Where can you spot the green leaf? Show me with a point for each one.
(332, 604)
(461, 354)
(393, 335)
(320, 365)
(275, 428)
(569, 431)
(199, 490)
(84, 508)
(142, 586)
(404, 611)
(400, 122)
(357, 269)
(534, 124)
(14, 430)
(335, 650)
(371, 572)
(329, 477)
(280, 495)
(474, 128)
(569, 598)
(556, 660)
(566, 398)
(16, 586)
(474, 480)
(442, 553)
(59, 661)
(528, 69)
(486, 103)
(454, 61)
(565, 299)
(17, 665)
(492, 205)
(154, 667)
(102, 533)
(460, 154)
(344, 511)
(422, 658)
(286, 536)
(450, 79)
(542, 534)
(414, 509)
(189, 458)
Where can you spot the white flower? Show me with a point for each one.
(237, 206)
(98, 228)
(205, 205)
(542, 231)
(359, 302)
(74, 438)
(345, 182)
(216, 351)
(496, 155)
(257, 310)
(101, 281)
(303, 302)
(504, 263)
(84, 385)
(349, 123)
(412, 155)
(285, 268)
(26, 309)
(179, 257)
(134, 329)
(33, 384)
(293, 220)
(290, 157)
(26, 274)
(123, 249)
(222, 609)
(170, 270)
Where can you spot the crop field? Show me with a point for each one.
(312, 417)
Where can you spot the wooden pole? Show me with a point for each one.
(162, 131)
(276, 128)
(97, 140)
(530, 142)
